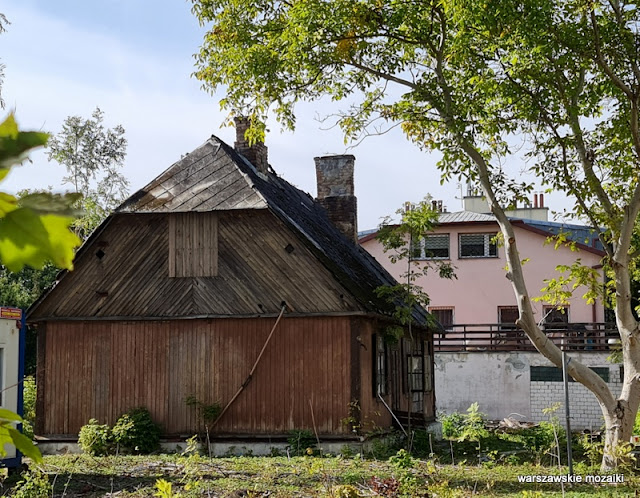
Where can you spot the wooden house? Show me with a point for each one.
(217, 263)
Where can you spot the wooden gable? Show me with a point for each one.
(125, 272)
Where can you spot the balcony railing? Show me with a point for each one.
(507, 337)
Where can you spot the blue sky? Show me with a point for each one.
(134, 59)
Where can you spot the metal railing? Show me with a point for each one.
(507, 337)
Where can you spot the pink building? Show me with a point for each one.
(481, 356)
(481, 294)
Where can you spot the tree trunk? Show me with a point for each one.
(618, 414)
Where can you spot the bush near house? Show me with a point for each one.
(134, 432)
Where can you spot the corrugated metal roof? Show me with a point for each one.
(582, 234)
(579, 233)
(464, 217)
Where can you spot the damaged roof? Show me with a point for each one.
(214, 177)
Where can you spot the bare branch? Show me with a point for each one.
(384, 76)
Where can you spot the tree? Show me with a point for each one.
(401, 239)
(561, 75)
(93, 157)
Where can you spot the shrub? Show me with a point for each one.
(136, 432)
(29, 397)
(539, 440)
(452, 425)
(95, 439)
(384, 447)
(34, 484)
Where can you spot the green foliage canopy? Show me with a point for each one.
(35, 228)
(460, 76)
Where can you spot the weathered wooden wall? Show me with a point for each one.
(102, 369)
(373, 412)
(193, 245)
(260, 263)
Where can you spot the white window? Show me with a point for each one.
(478, 245)
(432, 246)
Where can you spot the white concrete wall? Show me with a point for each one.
(501, 384)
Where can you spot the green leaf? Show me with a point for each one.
(9, 415)
(15, 145)
(27, 237)
(44, 202)
(7, 203)
(25, 445)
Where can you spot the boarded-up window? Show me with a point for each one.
(444, 315)
(428, 366)
(380, 363)
(193, 245)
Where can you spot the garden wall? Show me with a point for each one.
(519, 384)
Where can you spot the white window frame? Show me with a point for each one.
(420, 247)
(488, 237)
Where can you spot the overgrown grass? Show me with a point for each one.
(195, 475)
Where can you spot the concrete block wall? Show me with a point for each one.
(502, 385)
(584, 409)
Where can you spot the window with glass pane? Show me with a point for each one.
(416, 373)
(434, 246)
(478, 245)
(554, 315)
(507, 316)
(381, 365)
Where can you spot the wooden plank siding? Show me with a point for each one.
(102, 369)
(193, 245)
(260, 263)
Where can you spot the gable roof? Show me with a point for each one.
(586, 237)
(214, 177)
(207, 179)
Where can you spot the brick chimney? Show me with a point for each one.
(335, 192)
(256, 153)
